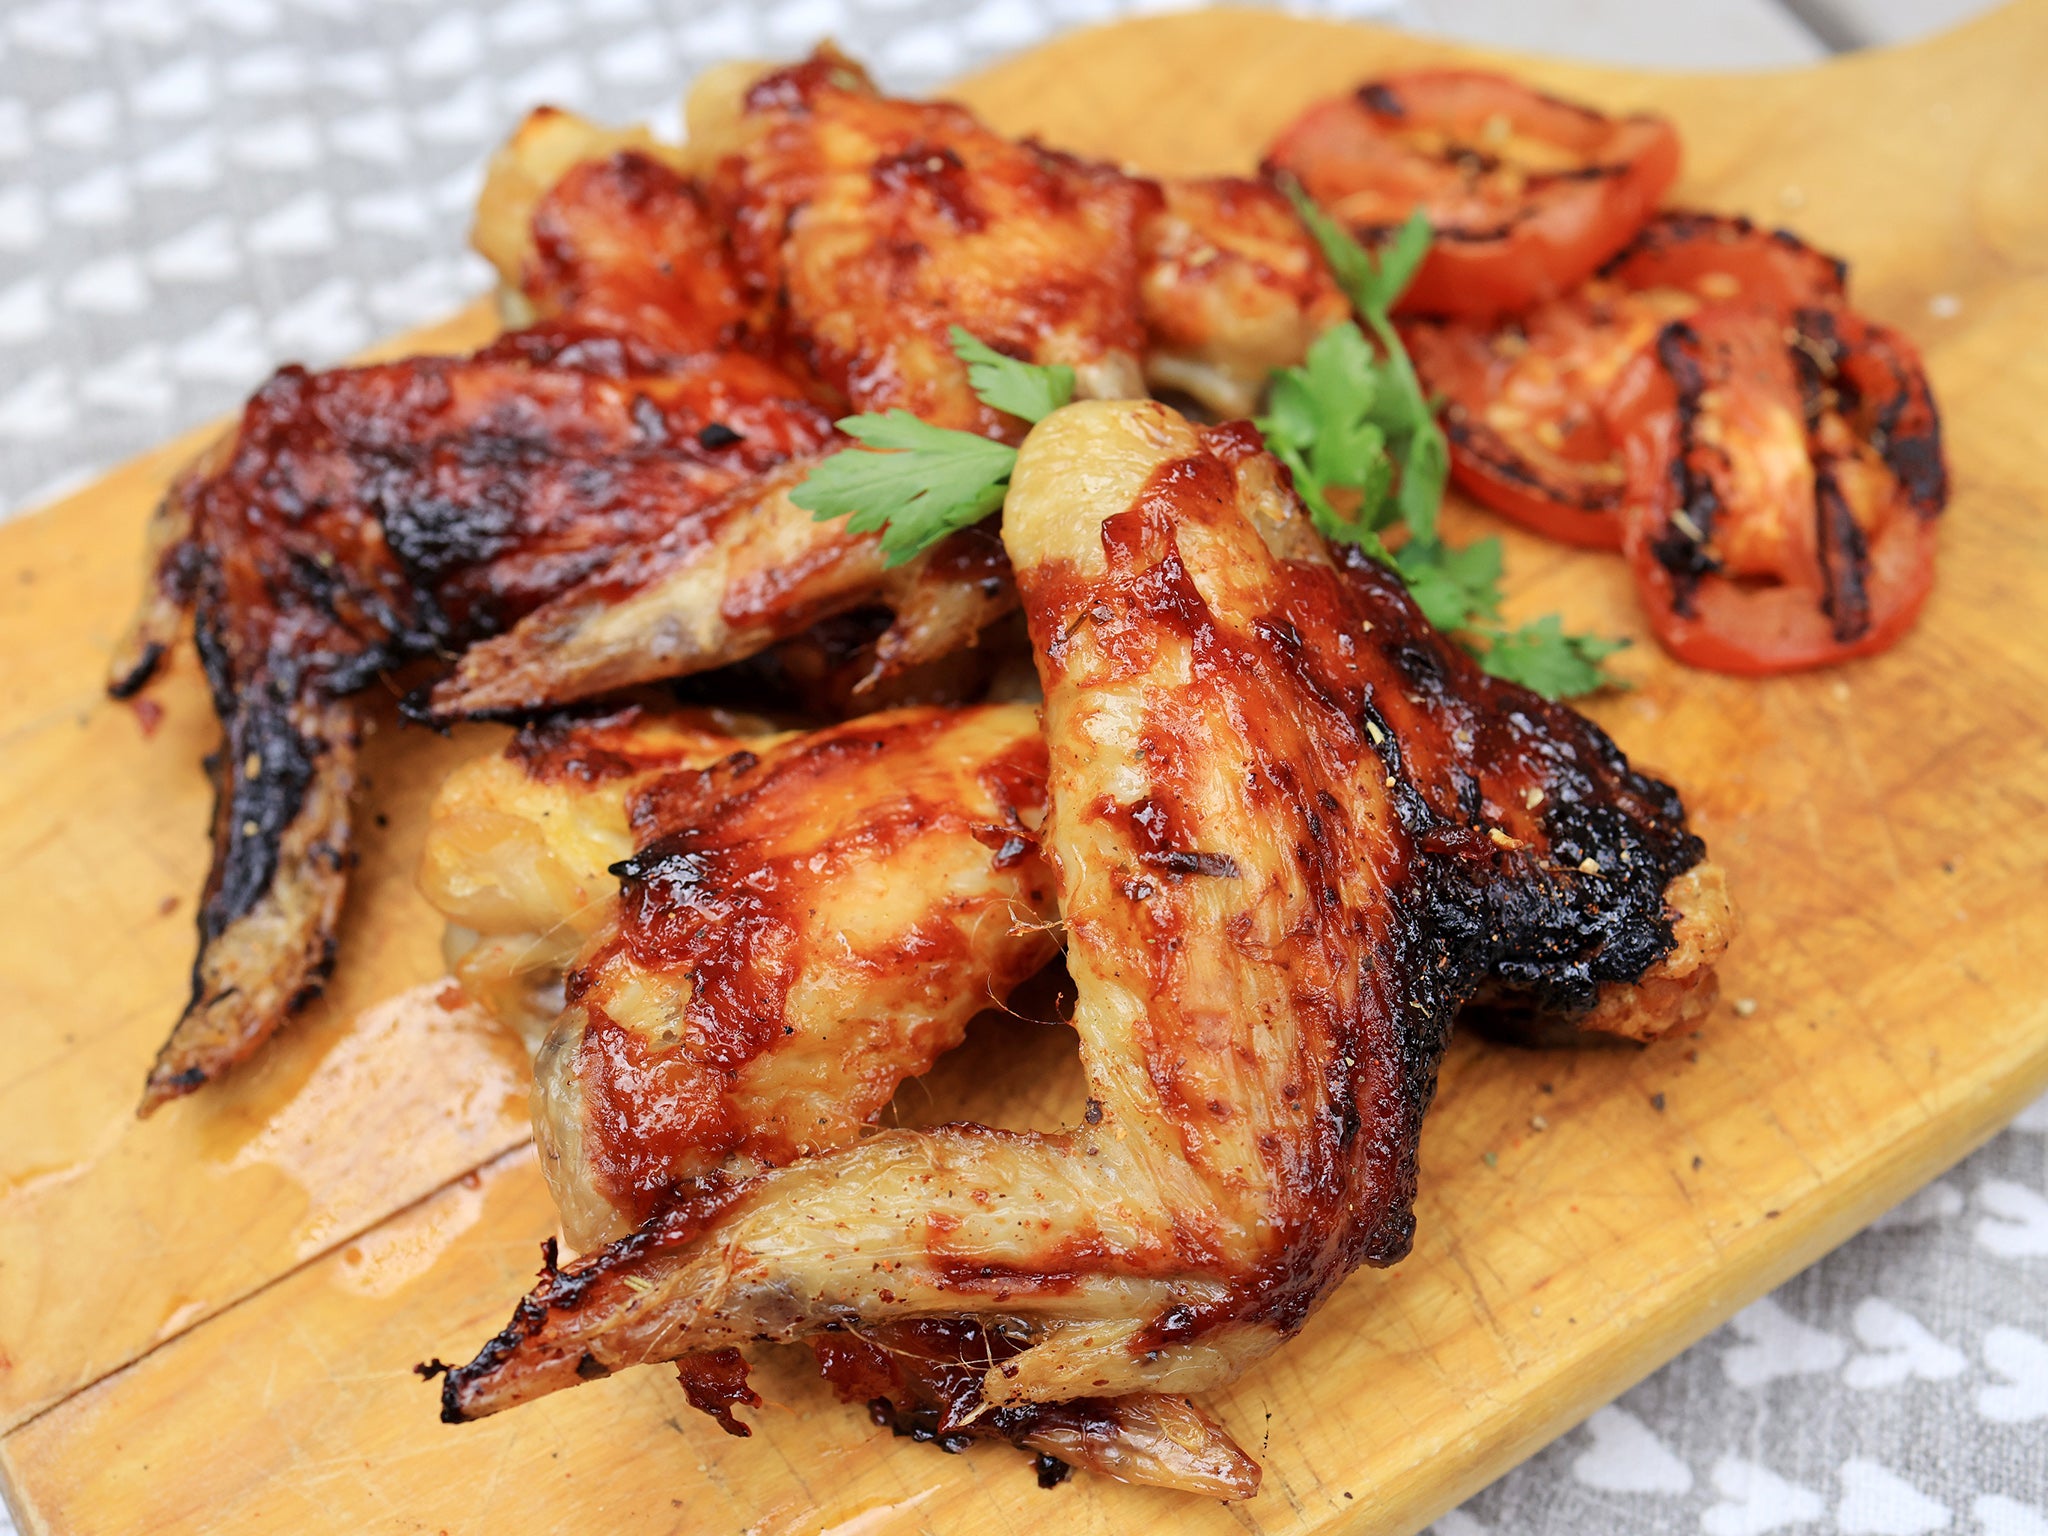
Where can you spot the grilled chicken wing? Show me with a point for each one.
(804, 926)
(601, 226)
(860, 229)
(809, 920)
(680, 604)
(1281, 867)
(617, 480)
(825, 913)
(360, 518)
(874, 224)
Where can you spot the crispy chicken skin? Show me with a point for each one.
(807, 920)
(873, 224)
(857, 229)
(605, 223)
(521, 845)
(680, 604)
(1283, 859)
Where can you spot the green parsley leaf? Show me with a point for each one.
(1361, 439)
(1372, 282)
(1456, 589)
(929, 482)
(1029, 390)
(1542, 657)
(1319, 424)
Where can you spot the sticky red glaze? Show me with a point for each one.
(1225, 251)
(368, 514)
(715, 1381)
(1346, 1072)
(723, 892)
(590, 747)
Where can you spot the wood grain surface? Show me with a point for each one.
(207, 1320)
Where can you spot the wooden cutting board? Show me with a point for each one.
(207, 1321)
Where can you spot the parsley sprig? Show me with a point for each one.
(931, 481)
(1355, 429)
(1352, 424)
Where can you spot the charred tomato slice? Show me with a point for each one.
(1784, 479)
(1526, 194)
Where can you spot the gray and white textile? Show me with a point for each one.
(192, 191)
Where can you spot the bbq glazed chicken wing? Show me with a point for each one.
(874, 224)
(1279, 871)
(806, 921)
(895, 887)
(361, 518)
(603, 227)
(1233, 288)
(856, 231)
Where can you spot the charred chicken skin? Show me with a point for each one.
(361, 518)
(1291, 830)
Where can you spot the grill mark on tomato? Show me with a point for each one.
(1488, 447)
(1686, 556)
(1844, 556)
(1884, 395)
(1674, 229)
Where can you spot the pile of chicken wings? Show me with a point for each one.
(780, 818)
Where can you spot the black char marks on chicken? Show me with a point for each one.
(365, 518)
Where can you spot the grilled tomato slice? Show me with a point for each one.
(1524, 398)
(1526, 194)
(1785, 474)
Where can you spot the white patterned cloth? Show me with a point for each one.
(192, 191)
